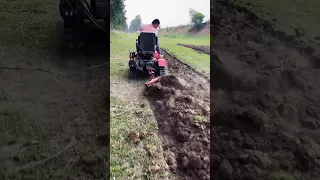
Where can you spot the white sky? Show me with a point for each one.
(169, 12)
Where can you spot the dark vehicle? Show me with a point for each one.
(147, 59)
(74, 14)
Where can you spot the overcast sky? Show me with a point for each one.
(169, 12)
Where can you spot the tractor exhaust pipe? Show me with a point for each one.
(152, 81)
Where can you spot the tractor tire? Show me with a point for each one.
(75, 33)
(133, 73)
(162, 71)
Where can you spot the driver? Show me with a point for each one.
(152, 28)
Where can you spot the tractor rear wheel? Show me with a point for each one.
(133, 73)
(75, 33)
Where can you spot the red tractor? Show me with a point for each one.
(147, 59)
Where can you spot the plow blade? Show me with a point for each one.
(153, 81)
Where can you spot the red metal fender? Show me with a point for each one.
(162, 63)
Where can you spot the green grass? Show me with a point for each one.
(27, 24)
(15, 129)
(25, 31)
(201, 62)
(130, 115)
(290, 14)
(28, 36)
(175, 30)
(121, 45)
(127, 159)
(281, 175)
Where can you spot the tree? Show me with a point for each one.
(135, 24)
(196, 17)
(125, 27)
(117, 15)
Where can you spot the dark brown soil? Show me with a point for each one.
(265, 106)
(41, 112)
(181, 107)
(199, 49)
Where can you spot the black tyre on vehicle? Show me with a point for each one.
(133, 70)
(133, 73)
(74, 26)
(74, 33)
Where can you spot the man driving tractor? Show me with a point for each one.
(151, 28)
(147, 57)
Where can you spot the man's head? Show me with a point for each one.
(156, 23)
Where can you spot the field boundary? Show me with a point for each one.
(267, 26)
(185, 64)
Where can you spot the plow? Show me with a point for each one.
(147, 60)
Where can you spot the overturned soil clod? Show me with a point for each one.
(199, 48)
(181, 107)
(265, 101)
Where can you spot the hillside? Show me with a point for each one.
(187, 30)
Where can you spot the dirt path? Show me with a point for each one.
(265, 106)
(181, 107)
(41, 113)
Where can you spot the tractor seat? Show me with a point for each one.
(147, 43)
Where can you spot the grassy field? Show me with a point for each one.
(27, 24)
(175, 30)
(130, 116)
(127, 158)
(289, 14)
(25, 34)
(201, 62)
(130, 112)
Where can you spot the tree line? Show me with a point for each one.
(118, 17)
(196, 19)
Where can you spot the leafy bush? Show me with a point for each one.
(196, 17)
